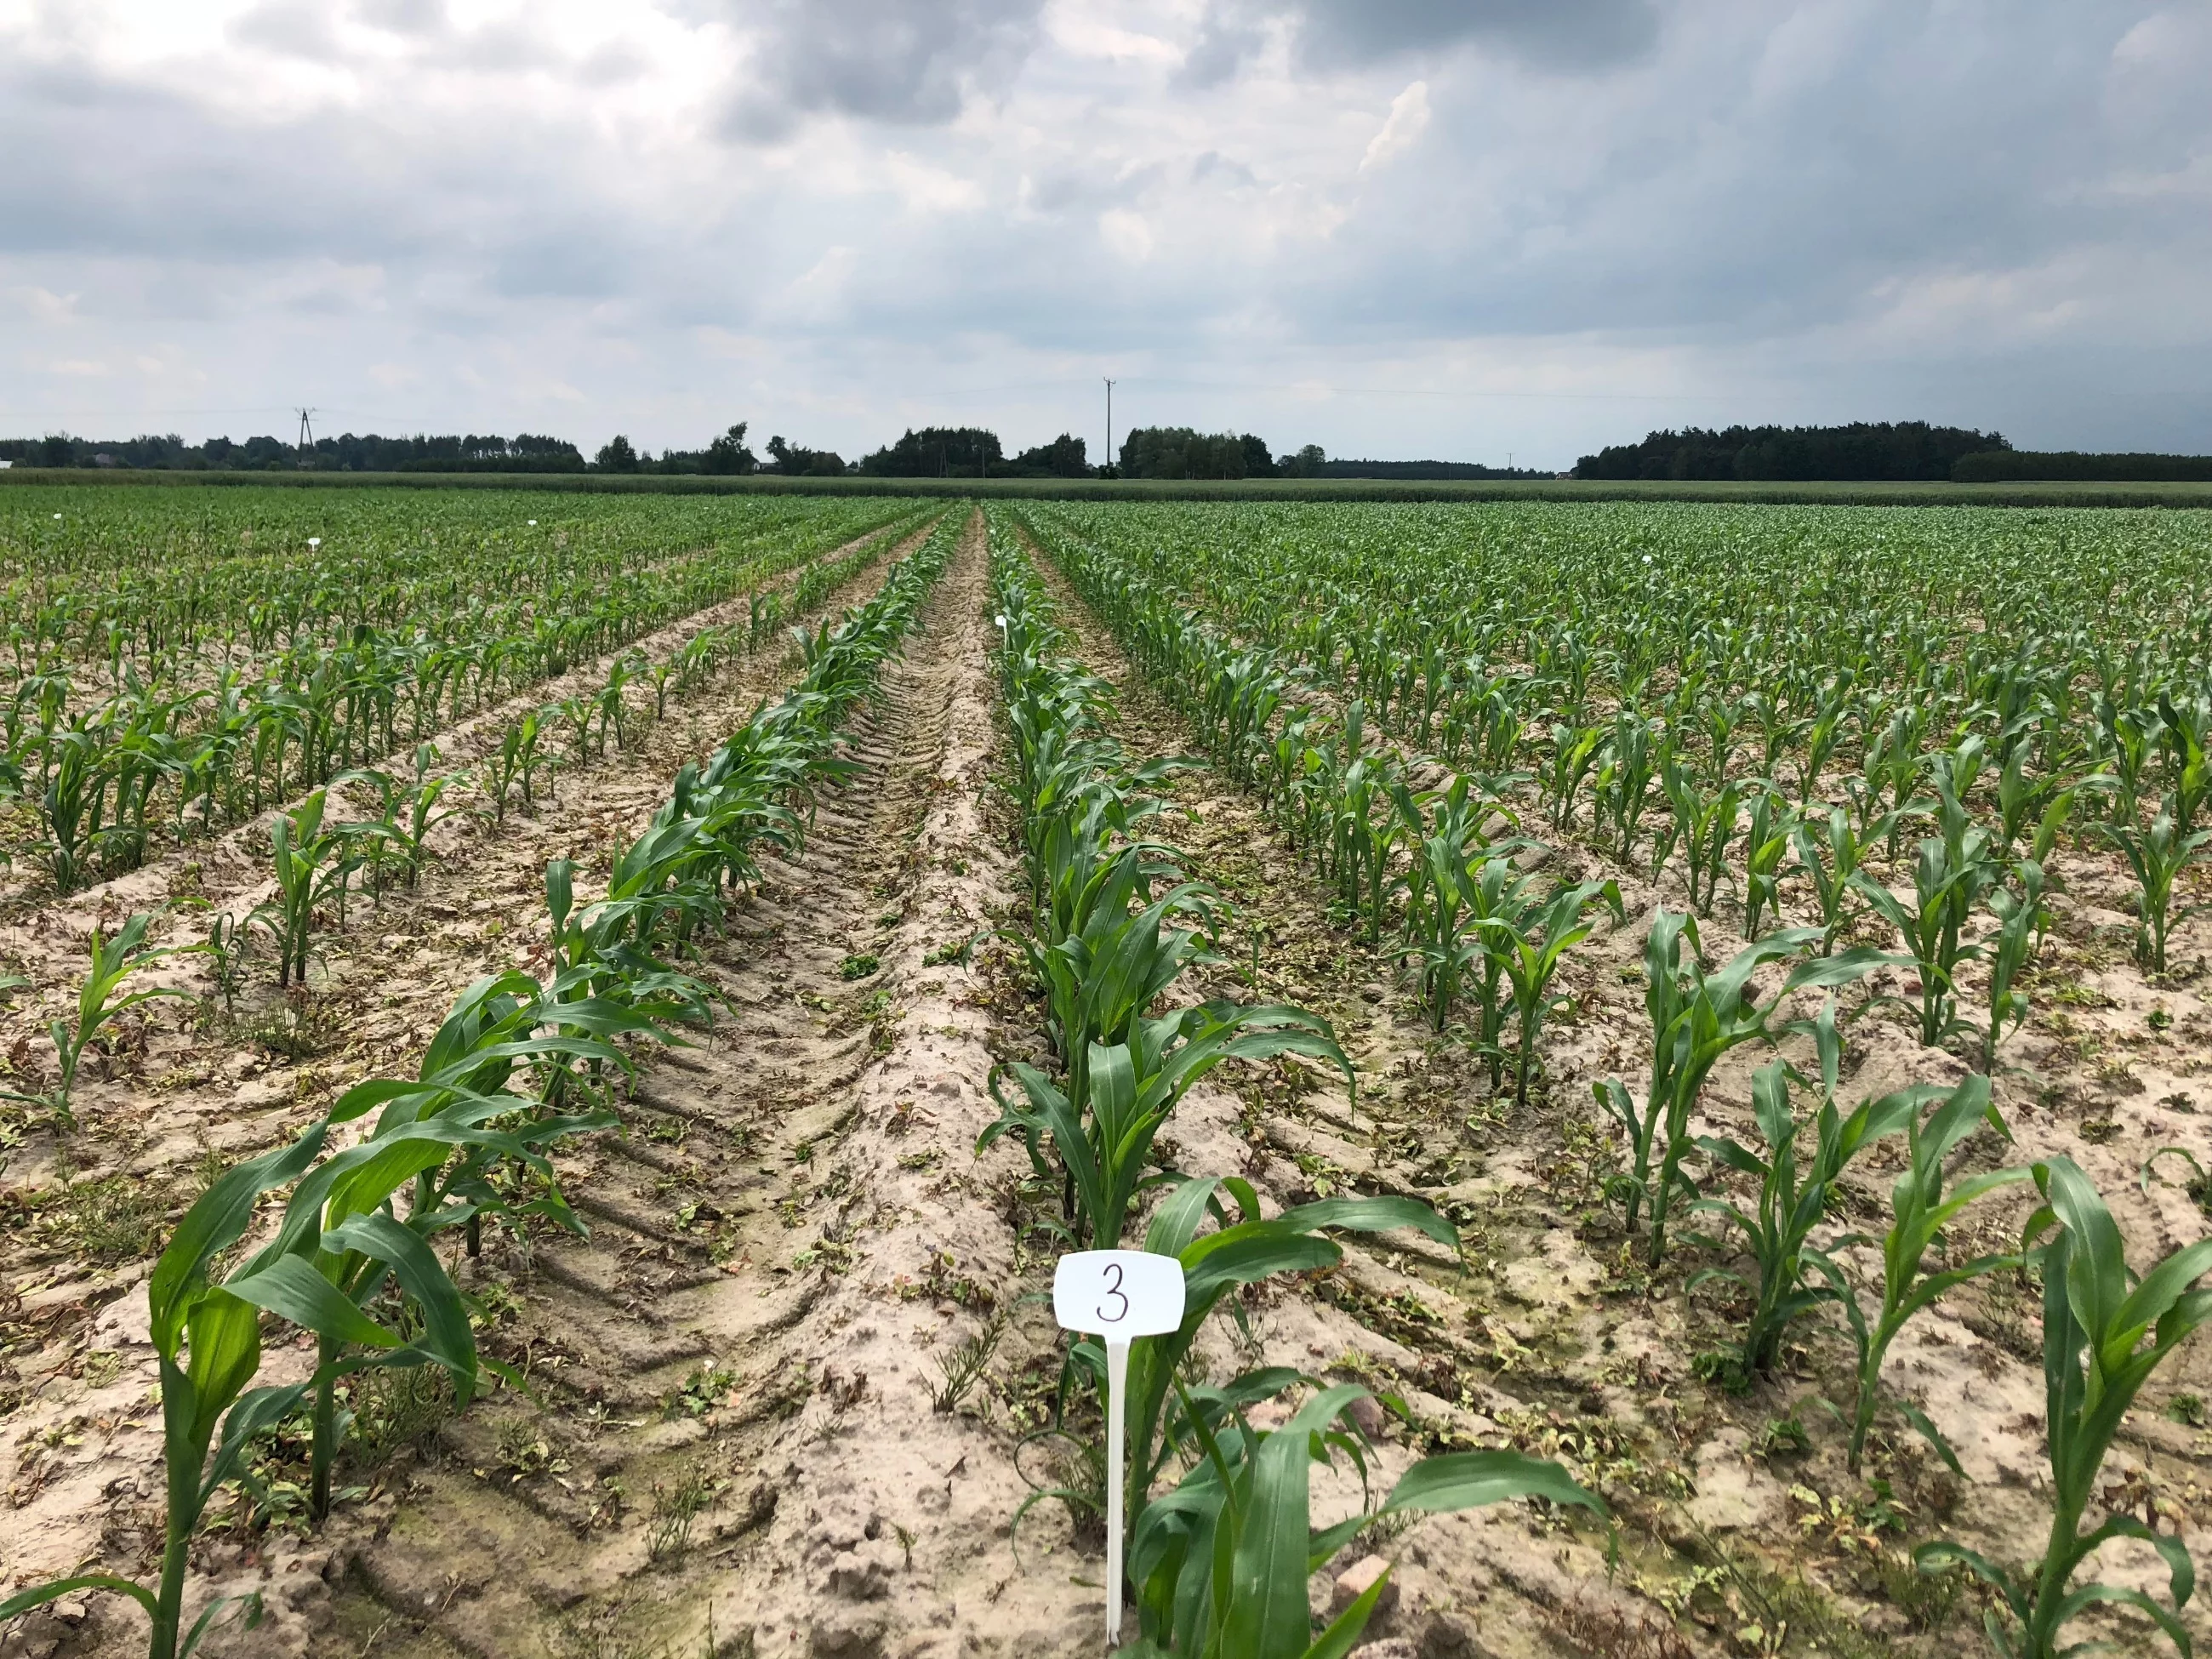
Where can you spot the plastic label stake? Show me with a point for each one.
(1117, 1295)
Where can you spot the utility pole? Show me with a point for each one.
(306, 436)
(1109, 460)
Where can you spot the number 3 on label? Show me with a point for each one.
(1118, 1294)
(1115, 1293)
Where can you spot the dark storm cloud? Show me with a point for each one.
(910, 62)
(1328, 36)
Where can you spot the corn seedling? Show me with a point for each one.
(1696, 1018)
(1244, 1248)
(1767, 833)
(2157, 855)
(1828, 853)
(208, 1339)
(1705, 823)
(227, 943)
(2105, 1329)
(1527, 947)
(2021, 918)
(100, 1004)
(1221, 1563)
(312, 864)
(1922, 1212)
(1949, 878)
(1132, 1090)
(1777, 1233)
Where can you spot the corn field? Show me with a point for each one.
(546, 1068)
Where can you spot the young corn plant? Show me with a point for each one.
(1625, 774)
(227, 941)
(2105, 1329)
(100, 1002)
(2186, 738)
(72, 805)
(1766, 838)
(512, 763)
(397, 839)
(1776, 1235)
(1104, 1142)
(312, 864)
(441, 1137)
(1828, 852)
(2158, 856)
(1527, 947)
(1705, 825)
(1220, 1563)
(1921, 1213)
(2035, 806)
(2021, 919)
(1696, 1018)
(1948, 880)
(1164, 1415)
(207, 1339)
(1456, 881)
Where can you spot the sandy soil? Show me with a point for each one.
(181, 1094)
(1557, 1338)
(738, 1442)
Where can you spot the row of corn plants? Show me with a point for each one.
(1219, 1559)
(319, 860)
(2107, 1327)
(1446, 874)
(197, 731)
(1846, 695)
(520, 1065)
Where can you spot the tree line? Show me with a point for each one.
(930, 453)
(1903, 451)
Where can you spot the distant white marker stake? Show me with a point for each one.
(1117, 1295)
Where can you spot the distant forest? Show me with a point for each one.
(1864, 451)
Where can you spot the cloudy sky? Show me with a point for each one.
(1396, 228)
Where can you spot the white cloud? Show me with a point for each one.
(1128, 234)
(1577, 219)
(1409, 120)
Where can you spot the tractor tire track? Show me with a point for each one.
(792, 1214)
(73, 1323)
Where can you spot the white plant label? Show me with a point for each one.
(1117, 1295)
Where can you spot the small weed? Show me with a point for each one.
(675, 1508)
(918, 1160)
(1608, 1635)
(2187, 1408)
(858, 966)
(1783, 1436)
(115, 1219)
(963, 1368)
(961, 951)
(708, 1387)
(2159, 1020)
(524, 1449)
(396, 1409)
(298, 1026)
(1723, 1367)
(1928, 1599)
